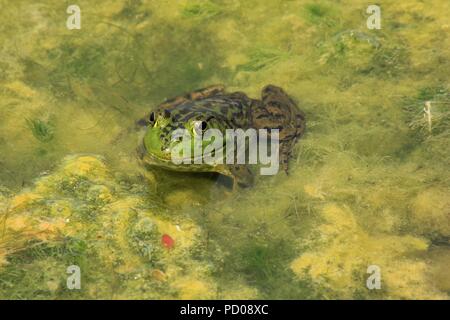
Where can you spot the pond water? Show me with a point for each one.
(369, 183)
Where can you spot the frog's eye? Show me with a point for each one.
(200, 126)
(203, 125)
(152, 118)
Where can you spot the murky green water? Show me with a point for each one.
(369, 183)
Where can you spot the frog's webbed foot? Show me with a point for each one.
(279, 111)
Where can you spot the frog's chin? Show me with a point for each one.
(169, 165)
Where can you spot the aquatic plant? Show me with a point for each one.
(260, 58)
(319, 13)
(428, 116)
(389, 61)
(41, 130)
(203, 9)
(351, 47)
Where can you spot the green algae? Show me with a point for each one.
(368, 166)
(118, 243)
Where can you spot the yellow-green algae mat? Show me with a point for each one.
(79, 215)
(369, 184)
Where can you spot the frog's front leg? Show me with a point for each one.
(235, 176)
(242, 176)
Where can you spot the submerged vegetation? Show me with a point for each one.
(80, 215)
(369, 184)
(41, 130)
(201, 9)
(260, 58)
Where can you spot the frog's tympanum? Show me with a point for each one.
(213, 108)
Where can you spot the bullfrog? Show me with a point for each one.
(214, 108)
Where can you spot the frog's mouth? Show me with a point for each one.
(183, 164)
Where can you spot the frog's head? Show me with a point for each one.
(162, 137)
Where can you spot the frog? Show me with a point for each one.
(214, 107)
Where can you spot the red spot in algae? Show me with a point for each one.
(167, 241)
